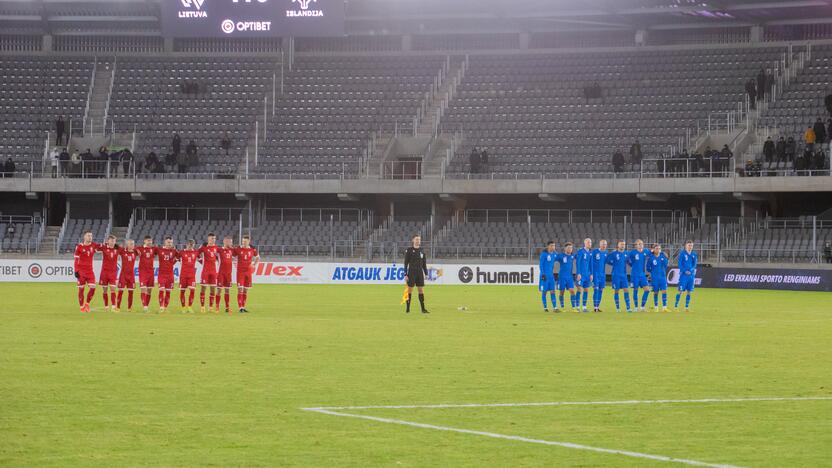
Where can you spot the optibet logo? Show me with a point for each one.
(35, 270)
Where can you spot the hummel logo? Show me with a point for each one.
(304, 4)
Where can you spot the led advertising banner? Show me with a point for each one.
(252, 18)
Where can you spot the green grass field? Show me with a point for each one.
(188, 390)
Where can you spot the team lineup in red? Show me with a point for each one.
(216, 278)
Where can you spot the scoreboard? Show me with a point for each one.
(252, 18)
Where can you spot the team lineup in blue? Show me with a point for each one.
(648, 273)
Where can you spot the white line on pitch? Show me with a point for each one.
(493, 435)
(572, 403)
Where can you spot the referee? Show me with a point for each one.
(416, 267)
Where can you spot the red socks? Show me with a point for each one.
(191, 298)
(227, 298)
(129, 299)
(182, 297)
(80, 295)
(120, 293)
(106, 299)
(90, 295)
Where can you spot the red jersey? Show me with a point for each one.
(245, 255)
(167, 259)
(110, 264)
(83, 257)
(146, 255)
(209, 255)
(128, 263)
(227, 260)
(188, 258)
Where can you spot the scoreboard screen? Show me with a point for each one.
(252, 18)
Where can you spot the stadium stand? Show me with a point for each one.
(19, 236)
(147, 93)
(36, 90)
(75, 228)
(531, 114)
(330, 106)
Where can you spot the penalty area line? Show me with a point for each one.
(573, 403)
(494, 435)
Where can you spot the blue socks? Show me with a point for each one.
(543, 299)
(687, 301)
(617, 301)
(644, 295)
(664, 299)
(627, 299)
(585, 296)
(561, 301)
(554, 297)
(655, 299)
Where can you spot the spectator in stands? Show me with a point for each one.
(724, 158)
(769, 149)
(113, 163)
(192, 159)
(126, 161)
(484, 160)
(818, 160)
(225, 143)
(593, 91)
(698, 163)
(780, 149)
(791, 149)
(761, 85)
(182, 160)
(809, 138)
(176, 144)
(64, 159)
(828, 102)
(751, 90)
(828, 130)
(101, 166)
(75, 163)
(827, 252)
(8, 168)
(54, 159)
(635, 154)
(60, 126)
(801, 163)
(618, 161)
(474, 160)
(820, 132)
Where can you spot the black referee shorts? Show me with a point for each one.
(416, 278)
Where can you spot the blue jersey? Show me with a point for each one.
(618, 260)
(566, 262)
(583, 262)
(599, 263)
(688, 262)
(637, 261)
(547, 263)
(657, 265)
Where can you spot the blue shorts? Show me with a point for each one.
(548, 285)
(639, 281)
(599, 283)
(620, 282)
(659, 283)
(566, 282)
(686, 282)
(584, 282)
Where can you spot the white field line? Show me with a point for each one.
(493, 435)
(572, 403)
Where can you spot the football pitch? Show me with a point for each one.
(340, 376)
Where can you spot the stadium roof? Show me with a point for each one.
(142, 16)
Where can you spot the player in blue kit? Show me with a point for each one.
(618, 260)
(565, 280)
(548, 259)
(688, 259)
(599, 274)
(637, 259)
(583, 265)
(657, 267)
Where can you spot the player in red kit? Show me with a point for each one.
(187, 275)
(208, 256)
(147, 252)
(109, 272)
(167, 259)
(84, 253)
(127, 277)
(225, 273)
(247, 258)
